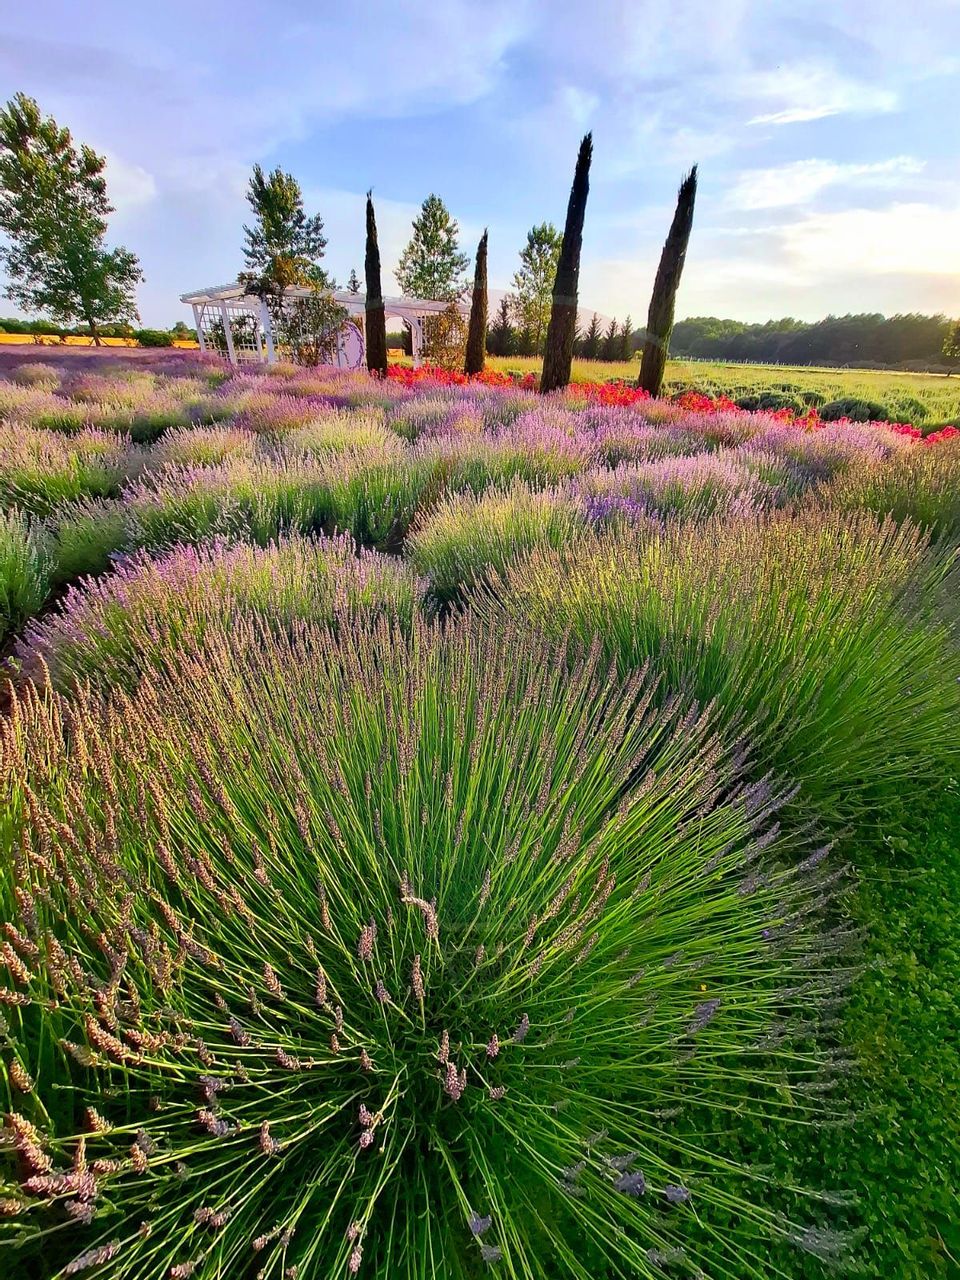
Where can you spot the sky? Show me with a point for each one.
(825, 132)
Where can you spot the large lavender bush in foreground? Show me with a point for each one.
(397, 956)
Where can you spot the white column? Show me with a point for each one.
(416, 336)
(267, 332)
(228, 333)
(198, 325)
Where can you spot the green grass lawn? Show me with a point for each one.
(902, 1154)
(926, 398)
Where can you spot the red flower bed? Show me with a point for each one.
(625, 394)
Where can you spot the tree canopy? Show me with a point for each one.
(532, 293)
(283, 245)
(432, 266)
(53, 212)
(865, 339)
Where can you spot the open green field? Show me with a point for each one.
(919, 398)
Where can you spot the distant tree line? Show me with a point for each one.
(614, 340)
(48, 328)
(869, 339)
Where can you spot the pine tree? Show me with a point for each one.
(558, 353)
(353, 284)
(611, 342)
(533, 283)
(500, 340)
(432, 266)
(376, 317)
(53, 211)
(592, 339)
(626, 340)
(663, 301)
(283, 246)
(475, 357)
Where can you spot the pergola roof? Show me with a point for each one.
(355, 303)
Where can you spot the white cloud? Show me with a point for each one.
(129, 186)
(811, 91)
(903, 239)
(802, 180)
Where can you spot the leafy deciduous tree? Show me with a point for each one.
(951, 344)
(53, 211)
(533, 283)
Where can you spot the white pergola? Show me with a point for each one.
(248, 331)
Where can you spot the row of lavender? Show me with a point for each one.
(93, 466)
(469, 909)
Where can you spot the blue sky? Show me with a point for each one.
(826, 133)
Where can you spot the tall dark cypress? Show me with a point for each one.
(477, 332)
(664, 298)
(558, 353)
(376, 317)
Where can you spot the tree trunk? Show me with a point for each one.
(92, 326)
(376, 318)
(477, 330)
(663, 300)
(562, 329)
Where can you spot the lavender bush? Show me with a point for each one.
(362, 954)
(138, 618)
(833, 636)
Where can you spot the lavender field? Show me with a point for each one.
(435, 822)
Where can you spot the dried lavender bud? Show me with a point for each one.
(676, 1194)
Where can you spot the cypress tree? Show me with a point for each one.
(664, 298)
(477, 331)
(558, 353)
(376, 317)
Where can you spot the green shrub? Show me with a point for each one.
(856, 410)
(399, 957)
(85, 538)
(154, 338)
(24, 571)
(467, 537)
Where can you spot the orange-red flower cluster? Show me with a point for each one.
(625, 394)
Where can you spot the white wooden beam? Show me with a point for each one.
(198, 325)
(228, 333)
(267, 326)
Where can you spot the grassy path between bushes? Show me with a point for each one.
(903, 1154)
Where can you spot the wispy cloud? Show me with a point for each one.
(801, 181)
(807, 91)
